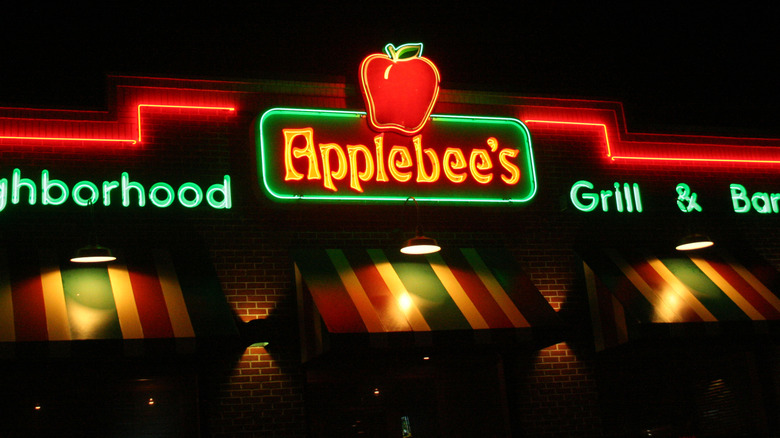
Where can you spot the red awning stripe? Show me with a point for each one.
(330, 295)
(381, 297)
(488, 290)
(477, 291)
(758, 294)
(149, 300)
(27, 297)
(368, 313)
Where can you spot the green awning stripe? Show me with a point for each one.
(329, 294)
(90, 303)
(613, 278)
(209, 311)
(707, 292)
(518, 286)
(435, 303)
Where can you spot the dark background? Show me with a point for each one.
(679, 69)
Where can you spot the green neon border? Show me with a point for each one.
(390, 198)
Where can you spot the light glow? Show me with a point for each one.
(405, 301)
(695, 245)
(420, 249)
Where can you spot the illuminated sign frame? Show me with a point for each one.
(274, 154)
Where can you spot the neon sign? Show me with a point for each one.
(400, 89)
(127, 192)
(137, 140)
(330, 155)
(626, 198)
(706, 151)
(761, 202)
(397, 148)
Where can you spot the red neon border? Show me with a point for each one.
(137, 140)
(766, 153)
(649, 157)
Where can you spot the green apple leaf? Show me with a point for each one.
(405, 51)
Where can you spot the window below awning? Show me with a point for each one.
(147, 294)
(383, 292)
(638, 292)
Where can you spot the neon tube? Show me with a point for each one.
(119, 140)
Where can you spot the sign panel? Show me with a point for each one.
(333, 155)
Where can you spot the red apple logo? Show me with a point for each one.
(400, 88)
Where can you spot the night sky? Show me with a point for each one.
(677, 69)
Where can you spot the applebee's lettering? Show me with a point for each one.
(330, 162)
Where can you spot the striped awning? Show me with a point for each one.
(384, 291)
(630, 290)
(145, 294)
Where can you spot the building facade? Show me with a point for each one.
(250, 298)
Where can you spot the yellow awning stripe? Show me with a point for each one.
(459, 296)
(666, 314)
(7, 330)
(494, 287)
(754, 282)
(54, 298)
(727, 289)
(174, 298)
(124, 299)
(681, 289)
(390, 277)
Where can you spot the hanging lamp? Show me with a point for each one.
(419, 244)
(92, 252)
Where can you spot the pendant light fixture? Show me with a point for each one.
(419, 244)
(92, 252)
(694, 241)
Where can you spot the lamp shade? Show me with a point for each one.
(420, 245)
(93, 254)
(694, 241)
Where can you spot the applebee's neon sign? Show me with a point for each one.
(397, 148)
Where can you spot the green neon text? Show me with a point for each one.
(625, 199)
(761, 202)
(125, 191)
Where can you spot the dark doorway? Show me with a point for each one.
(408, 394)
